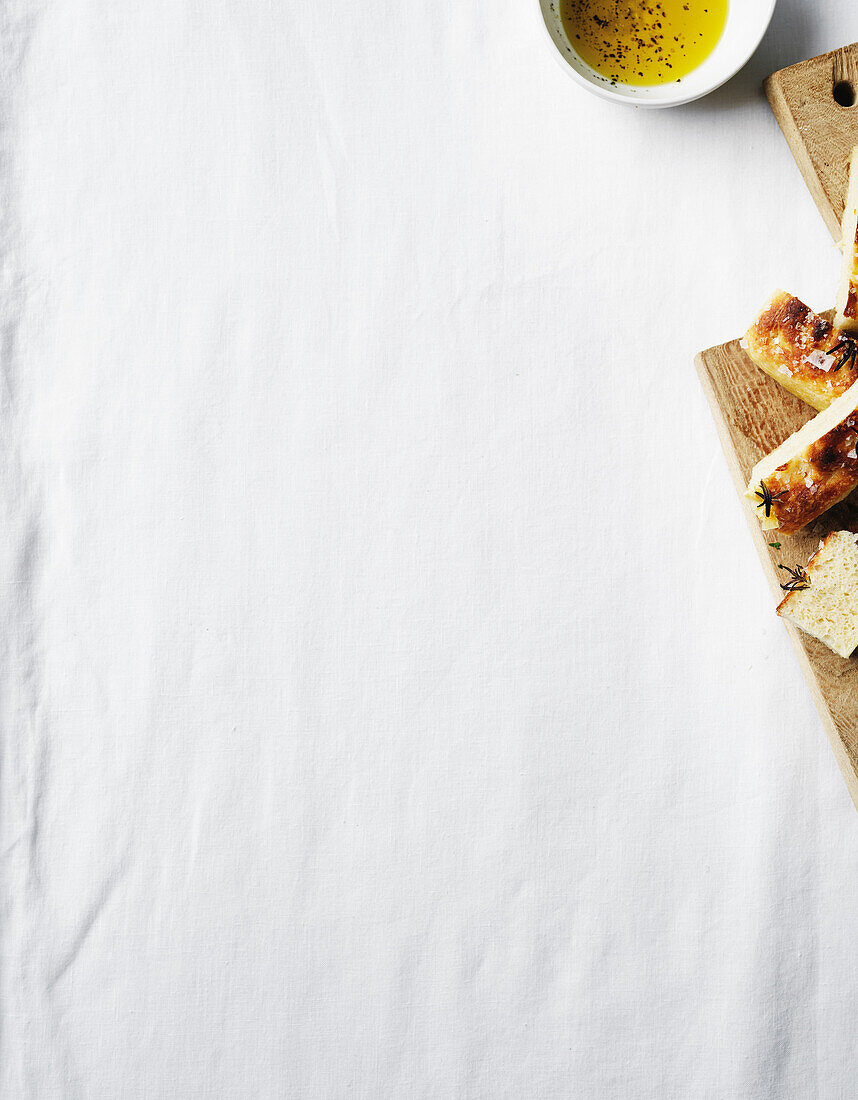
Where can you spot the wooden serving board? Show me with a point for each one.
(816, 105)
(753, 415)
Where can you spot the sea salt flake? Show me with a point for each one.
(820, 359)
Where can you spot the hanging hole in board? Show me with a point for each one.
(844, 93)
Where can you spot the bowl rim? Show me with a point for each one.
(676, 100)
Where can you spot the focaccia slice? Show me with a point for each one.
(823, 598)
(801, 350)
(811, 471)
(846, 303)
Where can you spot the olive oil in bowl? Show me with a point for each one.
(643, 42)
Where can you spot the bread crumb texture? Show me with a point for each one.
(828, 609)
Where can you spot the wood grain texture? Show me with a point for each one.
(753, 415)
(820, 132)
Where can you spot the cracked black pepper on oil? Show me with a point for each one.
(644, 43)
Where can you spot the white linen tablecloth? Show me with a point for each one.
(392, 702)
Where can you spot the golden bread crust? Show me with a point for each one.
(791, 344)
(816, 479)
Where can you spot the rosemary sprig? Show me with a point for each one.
(798, 579)
(845, 352)
(767, 498)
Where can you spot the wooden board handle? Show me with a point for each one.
(816, 105)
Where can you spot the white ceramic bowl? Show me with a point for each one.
(747, 21)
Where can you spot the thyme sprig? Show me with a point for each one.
(767, 498)
(845, 353)
(798, 579)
